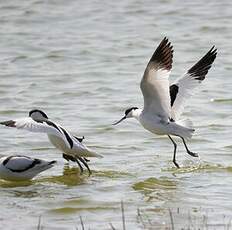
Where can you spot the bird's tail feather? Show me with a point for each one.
(44, 165)
(186, 123)
(91, 153)
(183, 128)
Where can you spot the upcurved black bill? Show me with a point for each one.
(119, 121)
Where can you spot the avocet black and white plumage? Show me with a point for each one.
(164, 103)
(20, 167)
(72, 147)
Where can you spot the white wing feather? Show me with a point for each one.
(37, 127)
(188, 83)
(155, 83)
(72, 145)
(186, 86)
(155, 89)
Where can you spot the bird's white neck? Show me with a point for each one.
(136, 113)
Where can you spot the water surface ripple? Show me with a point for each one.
(82, 62)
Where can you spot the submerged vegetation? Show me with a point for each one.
(145, 221)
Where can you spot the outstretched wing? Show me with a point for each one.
(155, 83)
(31, 125)
(184, 87)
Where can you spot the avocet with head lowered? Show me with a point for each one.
(164, 103)
(18, 167)
(72, 147)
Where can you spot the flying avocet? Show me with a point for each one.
(164, 103)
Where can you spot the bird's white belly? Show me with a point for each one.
(153, 125)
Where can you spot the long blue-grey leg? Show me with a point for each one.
(79, 164)
(85, 164)
(188, 151)
(68, 157)
(174, 154)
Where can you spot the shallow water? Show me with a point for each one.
(81, 62)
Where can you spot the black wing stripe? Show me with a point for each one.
(163, 55)
(69, 139)
(6, 160)
(52, 124)
(80, 139)
(201, 68)
(173, 93)
(34, 162)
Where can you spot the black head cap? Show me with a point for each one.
(34, 111)
(128, 110)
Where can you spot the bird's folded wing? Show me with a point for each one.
(155, 83)
(184, 87)
(84, 151)
(19, 163)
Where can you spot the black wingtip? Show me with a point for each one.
(201, 68)
(80, 139)
(52, 162)
(9, 123)
(163, 55)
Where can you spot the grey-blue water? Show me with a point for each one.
(81, 62)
